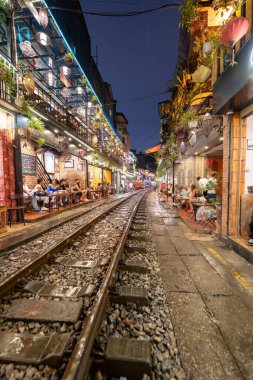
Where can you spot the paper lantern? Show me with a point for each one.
(235, 29)
(201, 74)
(182, 147)
(208, 47)
(50, 78)
(94, 140)
(79, 90)
(207, 125)
(81, 112)
(29, 83)
(43, 38)
(43, 17)
(193, 138)
(27, 49)
(65, 70)
(65, 92)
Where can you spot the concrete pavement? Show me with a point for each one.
(210, 292)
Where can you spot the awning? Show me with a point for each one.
(154, 149)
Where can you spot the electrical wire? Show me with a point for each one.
(119, 14)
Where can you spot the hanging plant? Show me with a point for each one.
(7, 75)
(189, 13)
(4, 7)
(26, 108)
(68, 58)
(37, 125)
(41, 141)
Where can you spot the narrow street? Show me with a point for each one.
(209, 289)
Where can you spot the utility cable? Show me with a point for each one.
(119, 14)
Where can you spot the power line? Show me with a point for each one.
(119, 14)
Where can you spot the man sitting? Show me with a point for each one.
(29, 197)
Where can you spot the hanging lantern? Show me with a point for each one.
(182, 147)
(27, 49)
(89, 104)
(43, 38)
(208, 47)
(235, 29)
(50, 62)
(43, 17)
(65, 70)
(65, 92)
(50, 78)
(95, 140)
(79, 90)
(81, 112)
(207, 124)
(29, 83)
(193, 138)
(201, 74)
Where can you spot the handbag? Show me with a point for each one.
(41, 193)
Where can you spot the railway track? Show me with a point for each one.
(52, 307)
(16, 263)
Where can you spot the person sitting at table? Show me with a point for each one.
(41, 194)
(29, 197)
(193, 195)
(77, 188)
(64, 187)
(53, 189)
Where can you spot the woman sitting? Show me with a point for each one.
(53, 190)
(80, 194)
(193, 195)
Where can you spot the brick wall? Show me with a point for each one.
(72, 173)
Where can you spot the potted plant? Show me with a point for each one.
(68, 58)
(7, 75)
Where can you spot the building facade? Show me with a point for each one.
(57, 114)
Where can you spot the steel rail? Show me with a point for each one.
(9, 283)
(60, 223)
(79, 363)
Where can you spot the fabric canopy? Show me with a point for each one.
(154, 149)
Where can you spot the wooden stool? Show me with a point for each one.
(18, 199)
(3, 227)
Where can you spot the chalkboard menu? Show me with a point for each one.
(28, 163)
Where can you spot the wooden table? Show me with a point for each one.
(3, 227)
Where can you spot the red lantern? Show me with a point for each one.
(235, 29)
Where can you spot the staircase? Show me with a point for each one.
(42, 173)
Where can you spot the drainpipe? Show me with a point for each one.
(229, 115)
(238, 195)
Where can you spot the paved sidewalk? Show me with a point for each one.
(210, 292)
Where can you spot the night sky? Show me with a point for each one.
(137, 56)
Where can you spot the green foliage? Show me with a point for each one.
(26, 108)
(189, 13)
(41, 141)
(109, 161)
(188, 116)
(166, 155)
(7, 75)
(3, 9)
(37, 125)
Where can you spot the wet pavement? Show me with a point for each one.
(209, 289)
